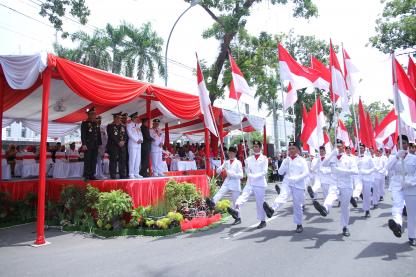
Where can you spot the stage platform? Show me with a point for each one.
(144, 192)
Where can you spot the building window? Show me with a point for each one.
(24, 132)
(8, 132)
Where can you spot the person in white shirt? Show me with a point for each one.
(323, 176)
(156, 148)
(256, 167)
(134, 146)
(380, 162)
(234, 171)
(343, 168)
(366, 170)
(402, 167)
(296, 171)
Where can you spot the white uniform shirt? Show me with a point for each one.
(158, 138)
(295, 170)
(134, 133)
(343, 169)
(234, 174)
(397, 170)
(380, 164)
(366, 168)
(256, 170)
(322, 173)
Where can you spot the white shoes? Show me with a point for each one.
(138, 176)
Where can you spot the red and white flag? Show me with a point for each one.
(370, 129)
(204, 101)
(290, 97)
(290, 70)
(327, 143)
(411, 71)
(387, 127)
(363, 133)
(338, 85)
(240, 84)
(313, 131)
(233, 93)
(304, 120)
(324, 77)
(406, 96)
(349, 70)
(342, 133)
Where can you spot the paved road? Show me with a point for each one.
(224, 251)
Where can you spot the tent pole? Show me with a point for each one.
(149, 115)
(2, 91)
(264, 140)
(207, 152)
(46, 82)
(167, 140)
(221, 134)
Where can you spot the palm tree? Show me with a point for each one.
(143, 46)
(115, 38)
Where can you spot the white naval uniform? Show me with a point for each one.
(358, 184)
(343, 169)
(380, 178)
(256, 170)
(366, 169)
(232, 182)
(403, 189)
(323, 176)
(156, 151)
(135, 148)
(101, 152)
(296, 173)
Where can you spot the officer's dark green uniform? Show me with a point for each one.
(91, 139)
(116, 133)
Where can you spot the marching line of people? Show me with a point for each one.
(340, 175)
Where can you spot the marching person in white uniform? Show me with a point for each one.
(380, 162)
(256, 167)
(402, 167)
(232, 182)
(134, 146)
(296, 172)
(366, 169)
(323, 176)
(157, 147)
(343, 168)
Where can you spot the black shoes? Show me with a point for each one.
(311, 193)
(261, 225)
(367, 214)
(381, 199)
(299, 229)
(353, 202)
(321, 209)
(268, 210)
(404, 213)
(237, 221)
(345, 232)
(210, 203)
(412, 242)
(375, 206)
(395, 228)
(233, 213)
(277, 188)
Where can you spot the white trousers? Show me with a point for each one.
(397, 206)
(344, 196)
(358, 187)
(298, 196)
(376, 190)
(258, 193)
(380, 183)
(134, 160)
(99, 168)
(157, 163)
(323, 186)
(411, 215)
(367, 195)
(221, 193)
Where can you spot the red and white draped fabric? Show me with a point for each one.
(349, 71)
(313, 131)
(406, 98)
(290, 70)
(205, 102)
(240, 84)
(342, 133)
(290, 97)
(387, 127)
(411, 71)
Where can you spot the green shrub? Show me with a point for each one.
(177, 193)
(113, 204)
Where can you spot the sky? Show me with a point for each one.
(349, 22)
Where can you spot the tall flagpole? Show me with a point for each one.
(317, 122)
(241, 126)
(396, 98)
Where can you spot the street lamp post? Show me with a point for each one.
(193, 3)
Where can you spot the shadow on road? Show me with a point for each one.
(388, 251)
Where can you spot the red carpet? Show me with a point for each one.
(143, 191)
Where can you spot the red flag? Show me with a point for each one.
(375, 123)
(411, 71)
(387, 127)
(304, 120)
(371, 140)
(363, 132)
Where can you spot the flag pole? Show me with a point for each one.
(284, 117)
(241, 126)
(317, 122)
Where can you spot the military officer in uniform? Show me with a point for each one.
(116, 147)
(134, 146)
(157, 147)
(146, 145)
(91, 140)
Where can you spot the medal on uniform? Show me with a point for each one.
(115, 133)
